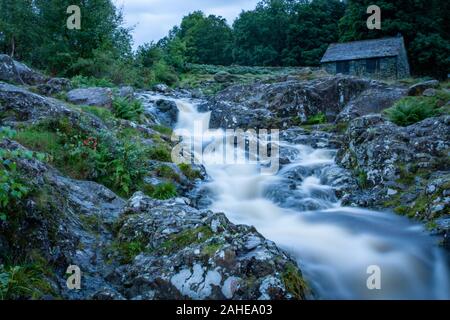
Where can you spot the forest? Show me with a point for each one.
(275, 33)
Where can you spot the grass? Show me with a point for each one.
(318, 118)
(162, 129)
(103, 113)
(164, 191)
(190, 173)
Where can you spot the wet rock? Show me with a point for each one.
(162, 88)
(418, 88)
(91, 96)
(187, 253)
(168, 112)
(126, 92)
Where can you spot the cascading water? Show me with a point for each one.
(333, 245)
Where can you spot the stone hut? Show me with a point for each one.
(383, 58)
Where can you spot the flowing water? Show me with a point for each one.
(335, 245)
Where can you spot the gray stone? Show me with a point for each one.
(91, 96)
(418, 88)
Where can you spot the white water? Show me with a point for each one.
(335, 246)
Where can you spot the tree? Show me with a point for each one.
(260, 35)
(423, 23)
(313, 27)
(207, 39)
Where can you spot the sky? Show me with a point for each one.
(152, 19)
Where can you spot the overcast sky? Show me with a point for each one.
(152, 19)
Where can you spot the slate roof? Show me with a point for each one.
(376, 48)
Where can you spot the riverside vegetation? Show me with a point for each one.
(86, 176)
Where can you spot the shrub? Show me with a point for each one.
(317, 119)
(85, 82)
(408, 111)
(160, 152)
(167, 172)
(128, 110)
(190, 173)
(164, 191)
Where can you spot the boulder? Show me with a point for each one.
(20, 106)
(162, 88)
(418, 88)
(28, 75)
(167, 112)
(430, 92)
(8, 71)
(197, 254)
(54, 85)
(282, 104)
(101, 97)
(126, 92)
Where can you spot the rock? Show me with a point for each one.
(192, 254)
(223, 77)
(8, 71)
(162, 88)
(126, 92)
(287, 103)
(430, 92)
(54, 85)
(28, 75)
(18, 105)
(167, 112)
(418, 88)
(390, 156)
(91, 96)
(65, 223)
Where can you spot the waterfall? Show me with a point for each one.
(335, 246)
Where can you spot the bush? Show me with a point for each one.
(128, 110)
(160, 153)
(85, 82)
(317, 119)
(408, 111)
(164, 191)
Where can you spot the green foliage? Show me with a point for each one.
(127, 251)
(427, 38)
(86, 82)
(88, 156)
(190, 173)
(409, 111)
(126, 109)
(164, 171)
(162, 129)
(317, 119)
(160, 152)
(22, 282)
(164, 191)
(103, 113)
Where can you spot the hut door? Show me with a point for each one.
(343, 67)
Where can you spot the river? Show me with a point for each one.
(337, 248)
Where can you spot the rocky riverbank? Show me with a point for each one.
(88, 185)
